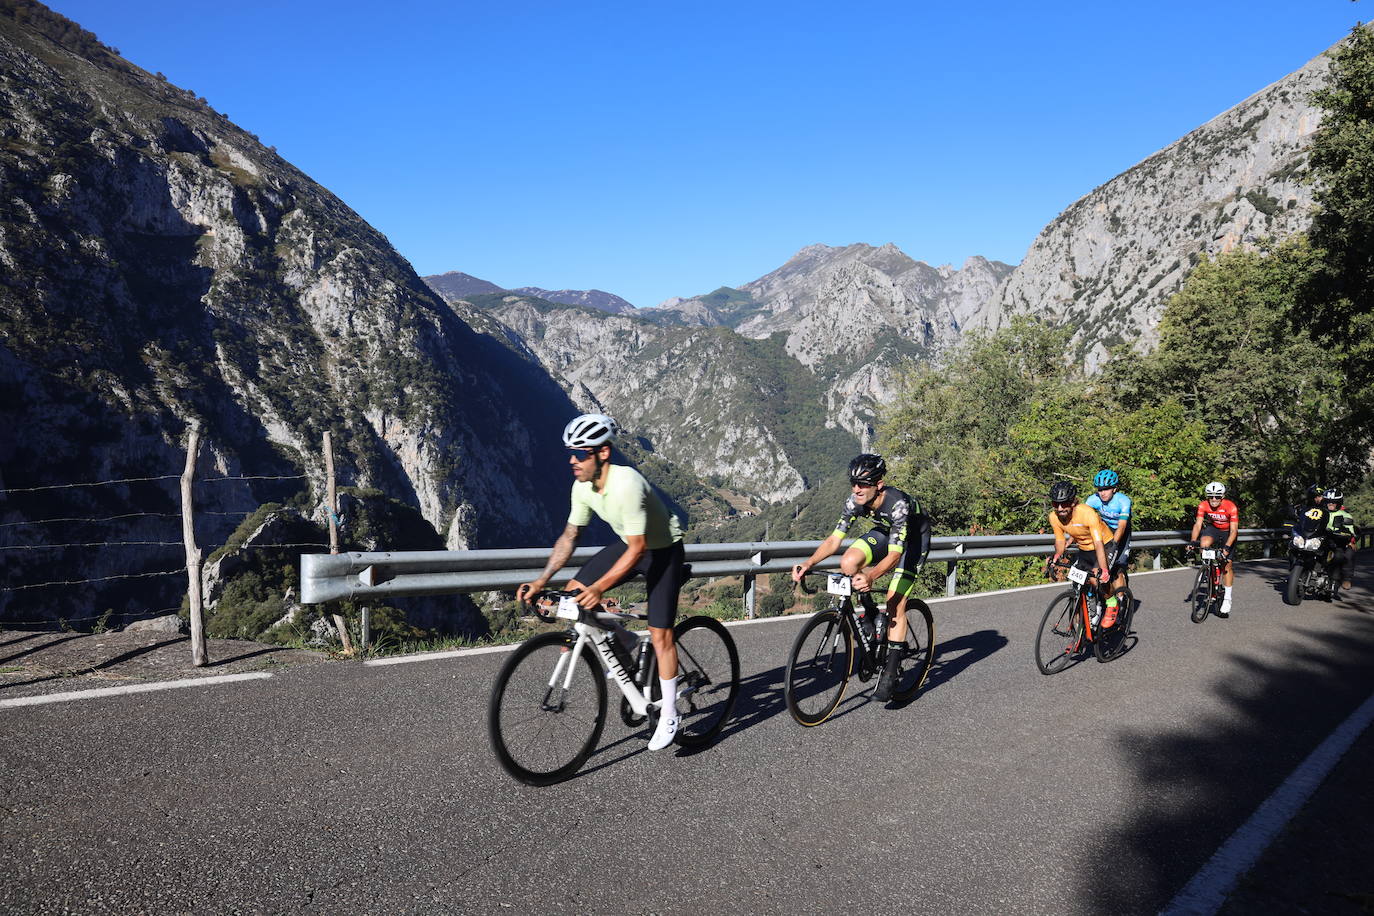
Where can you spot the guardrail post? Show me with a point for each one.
(750, 590)
(1268, 549)
(1159, 559)
(951, 579)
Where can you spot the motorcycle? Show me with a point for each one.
(1310, 573)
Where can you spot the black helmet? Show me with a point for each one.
(1062, 491)
(1314, 491)
(867, 469)
(1333, 495)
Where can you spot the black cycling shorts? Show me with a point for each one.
(662, 570)
(1219, 536)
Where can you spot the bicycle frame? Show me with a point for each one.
(1079, 577)
(600, 639)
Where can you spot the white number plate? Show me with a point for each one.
(1078, 574)
(1209, 554)
(568, 609)
(838, 585)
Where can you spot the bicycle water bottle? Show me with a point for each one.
(880, 626)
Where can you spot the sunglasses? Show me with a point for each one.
(1062, 505)
(582, 454)
(856, 482)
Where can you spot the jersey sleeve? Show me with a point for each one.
(1126, 504)
(1233, 514)
(846, 518)
(634, 501)
(901, 519)
(1202, 510)
(580, 515)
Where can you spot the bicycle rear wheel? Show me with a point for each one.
(1110, 643)
(919, 652)
(1201, 596)
(541, 732)
(707, 679)
(819, 667)
(1060, 635)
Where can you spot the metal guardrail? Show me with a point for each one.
(378, 575)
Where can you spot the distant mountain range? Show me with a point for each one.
(458, 285)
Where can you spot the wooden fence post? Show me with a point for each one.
(188, 533)
(332, 506)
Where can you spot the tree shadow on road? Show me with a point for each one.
(955, 655)
(1196, 784)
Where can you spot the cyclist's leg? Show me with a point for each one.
(663, 573)
(663, 578)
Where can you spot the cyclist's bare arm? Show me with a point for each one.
(591, 593)
(827, 548)
(558, 556)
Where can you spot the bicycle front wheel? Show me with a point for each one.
(541, 730)
(818, 668)
(1201, 597)
(1060, 635)
(707, 679)
(919, 652)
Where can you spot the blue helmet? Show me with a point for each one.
(1106, 478)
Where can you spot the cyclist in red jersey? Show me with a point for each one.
(1218, 523)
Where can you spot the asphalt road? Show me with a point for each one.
(341, 788)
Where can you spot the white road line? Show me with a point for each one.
(1207, 891)
(131, 688)
(449, 653)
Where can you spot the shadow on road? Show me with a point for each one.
(954, 655)
(1197, 784)
(33, 649)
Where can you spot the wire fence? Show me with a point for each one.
(33, 545)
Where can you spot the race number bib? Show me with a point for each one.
(838, 585)
(1209, 554)
(568, 609)
(1078, 574)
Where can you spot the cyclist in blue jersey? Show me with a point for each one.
(650, 544)
(1114, 508)
(897, 543)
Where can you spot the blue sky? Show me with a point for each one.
(653, 149)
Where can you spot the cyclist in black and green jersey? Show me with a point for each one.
(650, 544)
(897, 544)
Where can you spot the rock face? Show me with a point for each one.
(161, 266)
(1108, 264)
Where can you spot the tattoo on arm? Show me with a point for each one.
(562, 550)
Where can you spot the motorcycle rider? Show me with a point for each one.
(1340, 528)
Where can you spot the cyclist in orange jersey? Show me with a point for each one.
(1071, 520)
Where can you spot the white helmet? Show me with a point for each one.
(589, 431)
(1215, 488)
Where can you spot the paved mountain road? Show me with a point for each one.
(343, 788)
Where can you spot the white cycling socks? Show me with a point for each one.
(667, 717)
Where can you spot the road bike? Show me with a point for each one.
(548, 705)
(1073, 621)
(1207, 593)
(836, 644)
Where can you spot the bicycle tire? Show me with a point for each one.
(1060, 636)
(818, 668)
(707, 677)
(1108, 644)
(1201, 596)
(537, 741)
(919, 653)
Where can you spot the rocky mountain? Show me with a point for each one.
(1108, 264)
(162, 266)
(456, 285)
(592, 298)
(737, 412)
